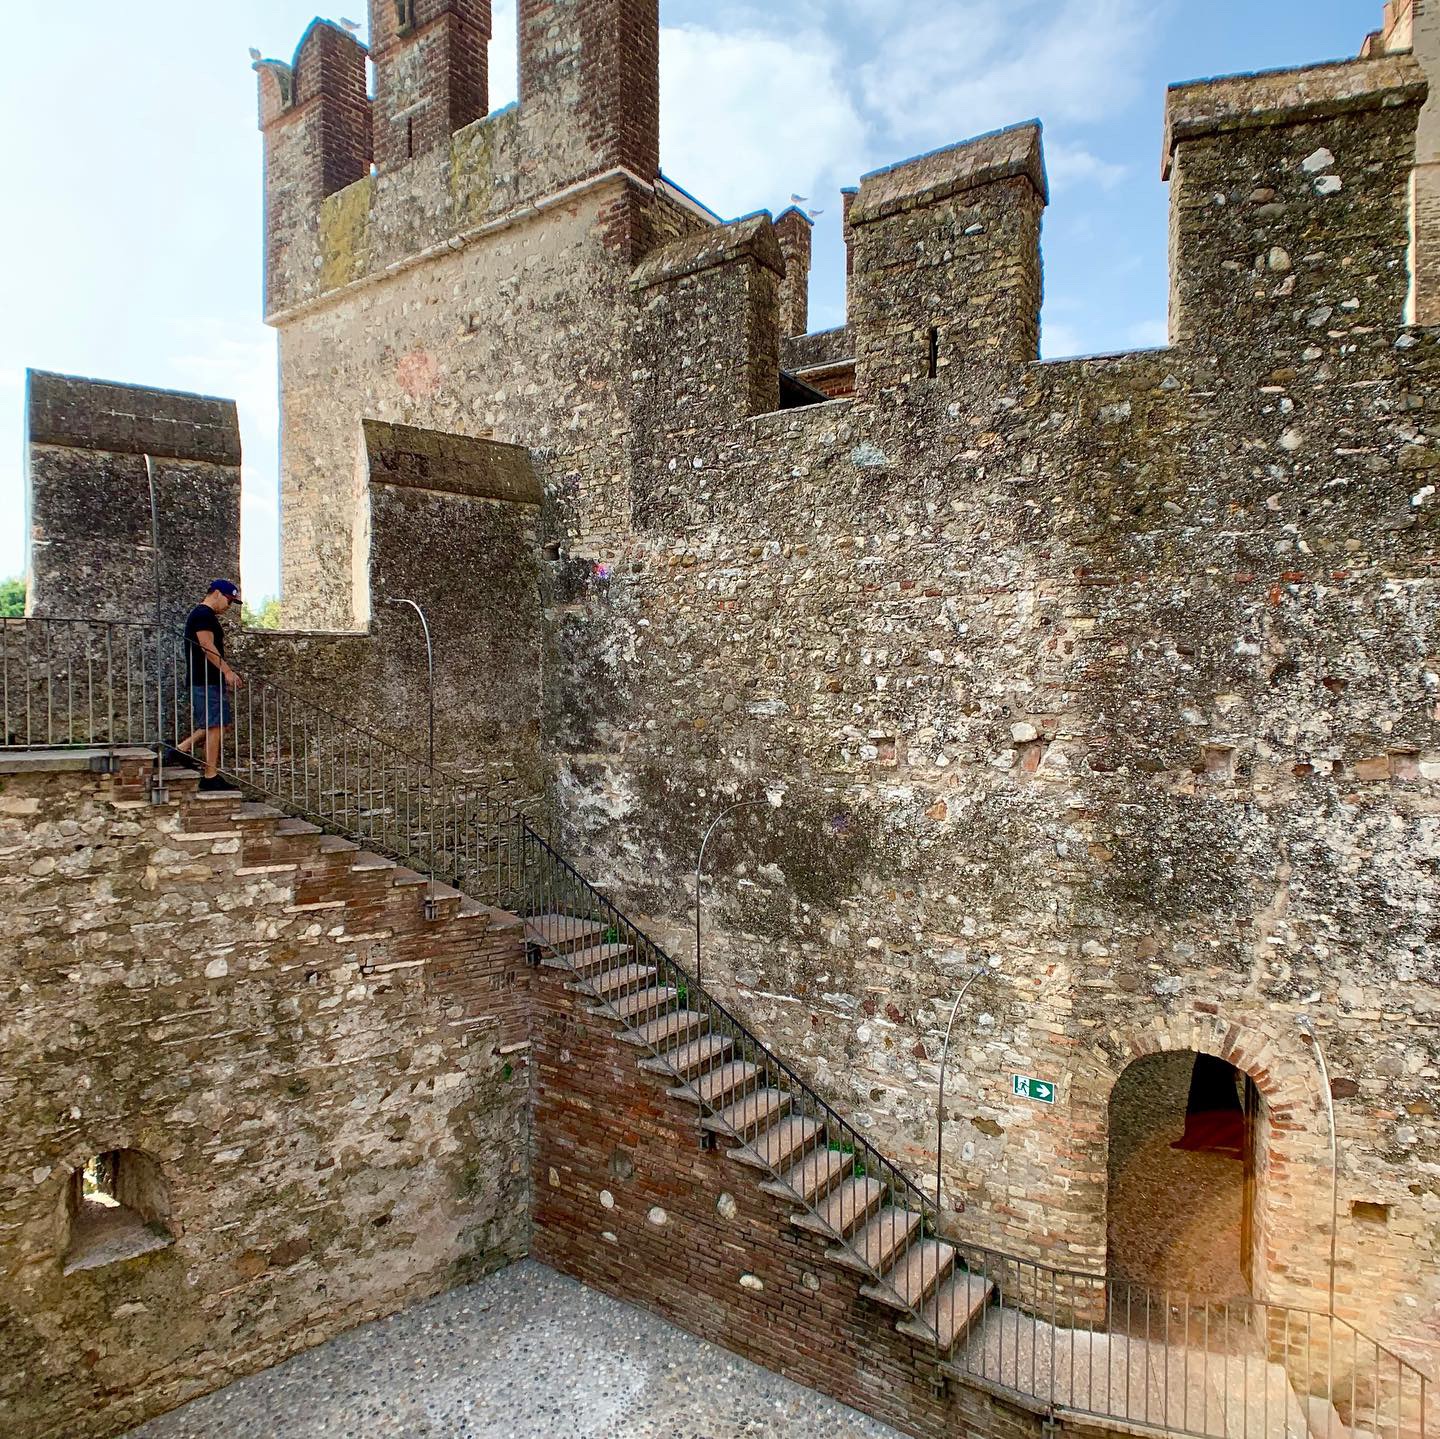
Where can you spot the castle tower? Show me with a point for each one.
(1415, 25)
(431, 73)
(472, 281)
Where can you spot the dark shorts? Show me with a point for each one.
(209, 707)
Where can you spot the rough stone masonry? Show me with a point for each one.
(1119, 673)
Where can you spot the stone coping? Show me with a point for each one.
(753, 237)
(1287, 97)
(415, 458)
(931, 178)
(48, 761)
(78, 413)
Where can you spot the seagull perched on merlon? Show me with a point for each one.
(351, 25)
(255, 54)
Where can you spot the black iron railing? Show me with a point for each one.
(1058, 1339)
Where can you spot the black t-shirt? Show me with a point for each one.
(203, 670)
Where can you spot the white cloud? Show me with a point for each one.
(1058, 340)
(749, 117)
(239, 363)
(1149, 334)
(969, 66)
(1073, 165)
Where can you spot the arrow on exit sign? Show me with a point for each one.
(1040, 1090)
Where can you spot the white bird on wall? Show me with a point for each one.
(351, 25)
(256, 54)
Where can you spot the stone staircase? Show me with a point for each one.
(793, 1156)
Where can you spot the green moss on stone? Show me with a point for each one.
(345, 234)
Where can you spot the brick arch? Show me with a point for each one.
(1284, 1075)
(1282, 1069)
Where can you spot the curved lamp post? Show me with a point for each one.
(944, 1061)
(158, 792)
(700, 865)
(432, 908)
(1307, 1028)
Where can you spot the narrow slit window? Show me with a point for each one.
(934, 355)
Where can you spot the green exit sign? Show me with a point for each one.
(1022, 1086)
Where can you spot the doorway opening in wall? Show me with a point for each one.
(117, 1206)
(1182, 1170)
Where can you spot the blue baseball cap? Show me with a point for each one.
(228, 588)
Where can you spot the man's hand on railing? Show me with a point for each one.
(233, 678)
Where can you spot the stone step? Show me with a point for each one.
(779, 1146)
(663, 1032)
(561, 932)
(912, 1278)
(611, 982)
(698, 1054)
(291, 826)
(366, 859)
(631, 1006)
(762, 1107)
(596, 957)
(872, 1248)
(950, 1313)
(845, 1209)
(719, 1085)
(337, 844)
(254, 810)
(811, 1178)
(406, 876)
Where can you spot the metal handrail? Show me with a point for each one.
(72, 682)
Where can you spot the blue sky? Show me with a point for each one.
(133, 248)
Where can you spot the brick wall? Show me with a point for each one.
(683, 1226)
(334, 1091)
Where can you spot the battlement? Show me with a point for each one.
(87, 496)
(589, 107)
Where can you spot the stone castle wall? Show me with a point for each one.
(1115, 670)
(330, 1086)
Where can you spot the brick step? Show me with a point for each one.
(337, 844)
(254, 810)
(367, 859)
(643, 1001)
(661, 1033)
(561, 932)
(291, 826)
(845, 1209)
(809, 1180)
(697, 1054)
(750, 1113)
(611, 982)
(871, 1249)
(779, 1146)
(914, 1276)
(951, 1312)
(719, 1085)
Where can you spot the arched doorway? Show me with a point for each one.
(1181, 1172)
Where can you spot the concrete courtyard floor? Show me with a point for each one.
(524, 1354)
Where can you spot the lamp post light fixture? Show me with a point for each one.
(1307, 1028)
(770, 799)
(158, 793)
(432, 908)
(994, 963)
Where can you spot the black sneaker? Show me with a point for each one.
(179, 759)
(214, 782)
